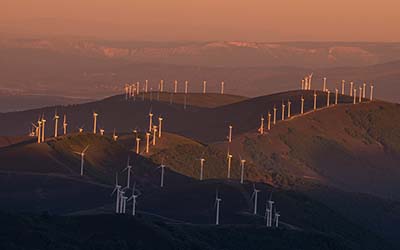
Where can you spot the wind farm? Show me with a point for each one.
(201, 125)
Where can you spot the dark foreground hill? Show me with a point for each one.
(121, 232)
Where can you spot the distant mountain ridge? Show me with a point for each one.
(223, 53)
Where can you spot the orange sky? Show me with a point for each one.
(254, 20)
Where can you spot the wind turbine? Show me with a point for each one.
(242, 162)
(363, 89)
(269, 217)
(129, 171)
(289, 103)
(117, 189)
(343, 81)
(315, 100)
(371, 92)
(204, 87)
(360, 95)
(115, 136)
(302, 105)
(154, 134)
(56, 117)
(146, 85)
(176, 86)
(202, 160)
(137, 145)
(150, 120)
(222, 87)
(65, 124)
(230, 134)
(355, 96)
(217, 205)
(269, 121)
(43, 125)
(229, 165)
(82, 154)
(328, 94)
(123, 202)
(324, 85)
(160, 119)
(133, 198)
(351, 88)
(147, 142)
(95, 122)
(274, 122)
(162, 166)
(255, 197)
(283, 111)
(277, 215)
(261, 129)
(336, 96)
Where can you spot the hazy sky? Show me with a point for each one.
(254, 20)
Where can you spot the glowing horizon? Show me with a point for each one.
(257, 20)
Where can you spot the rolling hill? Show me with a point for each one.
(345, 153)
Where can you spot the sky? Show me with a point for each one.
(192, 20)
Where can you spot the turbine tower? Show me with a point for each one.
(351, 88)
(39, 129)
(242, 163)
(302, 84)
(160, 119)
(255, 197)
(147, 142)
(137, 145)
(133, 198)
(371, 92)
(154, 134)
(162, 166)
(176, 86)
(336, 96)
(82, 154)
(129, 171)
(95, 122)
(43, 126)
(328, 95)
(150, 120)
(283, 111)
(269, 218)
(355, 96)
(261, 129)
(65, 124)
(269, 121)
(146, 86)
(186, 86)
(289, 103)
(277, 215)
(161, 86)
(217, 205)
(202, 160)
(360, 95)
(324, 86)
(222, 87)
(204, 87)
(363, 90)
(315, 100)
(229, 165)
(274, 122)
(56, 118)
(230, 134)
(117, 189)
(343, 81)
(302, 105)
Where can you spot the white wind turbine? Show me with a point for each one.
(242, 162)
(277, 215)
(129, 171)
(217, 205)
(255, 197)
(269, 215)
(162, 166)
(117, 189)
(202, 160)
(82, 154)
(56, 118)
(133, 198)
